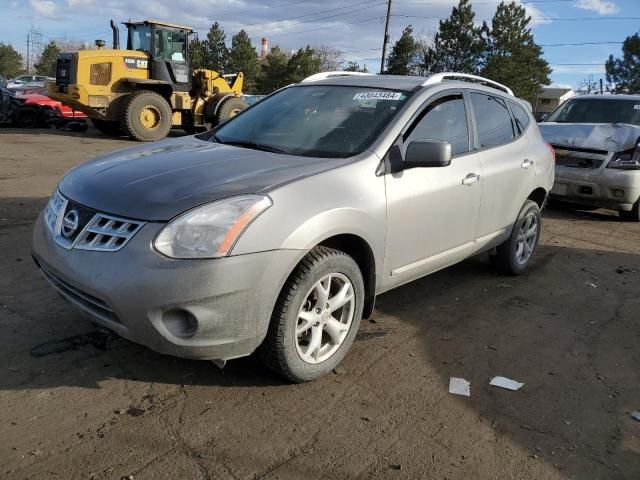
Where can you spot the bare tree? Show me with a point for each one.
(330, 58)
(588, 85)
(68, 45)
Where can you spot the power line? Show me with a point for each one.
(309, 14)
(324, 28)
(579, 44)
(533, 19)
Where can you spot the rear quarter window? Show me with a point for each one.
(521, 117)
(493, 120)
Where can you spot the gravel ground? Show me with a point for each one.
(78, 403)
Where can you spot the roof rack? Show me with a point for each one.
(325, 75)
(440, 77)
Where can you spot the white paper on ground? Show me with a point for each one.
(636, 416)
(505, 383)
(459, 386)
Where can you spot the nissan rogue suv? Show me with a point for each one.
(276, 230)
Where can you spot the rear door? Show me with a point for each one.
(507, 166)
(432, 212)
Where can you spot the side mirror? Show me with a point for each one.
(428, 153)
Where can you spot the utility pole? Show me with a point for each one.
(386, 37)
(28, 44)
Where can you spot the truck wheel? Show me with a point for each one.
(515, 254)
(146, 116)
(633, 215)
(230, 107)
(28, 118)
(316, 317)
(108, 127)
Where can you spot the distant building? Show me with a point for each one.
(551, 98)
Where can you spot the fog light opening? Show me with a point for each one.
(618, 193)
(180, 323)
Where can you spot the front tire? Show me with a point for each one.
(316, 317)
(633, 215)
(515, 255)
(146, 116)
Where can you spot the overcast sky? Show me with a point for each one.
(353, 26)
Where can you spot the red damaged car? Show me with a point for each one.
(33, 108)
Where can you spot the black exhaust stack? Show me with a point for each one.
(116, 35)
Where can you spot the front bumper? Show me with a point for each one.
(156, 301)
(602, 187)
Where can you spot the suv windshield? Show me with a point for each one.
(314, 121)
(597, 110)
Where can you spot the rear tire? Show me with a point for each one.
(146, 116)
(107, 127)
(514, 256)
(311, 328)
(633, 215)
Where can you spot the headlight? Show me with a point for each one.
(629, 160)
(210, 231)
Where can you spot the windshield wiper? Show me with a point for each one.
(252, 145)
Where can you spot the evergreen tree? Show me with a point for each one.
(302, 64)
(624, 72)
(217, 53)
(47, 63)
(459, 46)
(402, 58)
(10, 61)
(355, 67)
(243, 58)
(273, 71)
(514, 58)
(198, 54)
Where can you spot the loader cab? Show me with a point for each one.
(167, 46)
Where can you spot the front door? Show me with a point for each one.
(432, 212)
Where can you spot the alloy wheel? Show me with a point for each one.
(527, 237)
(325, 318)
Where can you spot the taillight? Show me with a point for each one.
(552, 150)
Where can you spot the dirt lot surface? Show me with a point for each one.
(77, 403)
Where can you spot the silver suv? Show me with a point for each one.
(277, 230)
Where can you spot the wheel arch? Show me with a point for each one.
(161, 88)
(539, 195)
(358, 248)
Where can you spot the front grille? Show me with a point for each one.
(88, 302)
(76, 226)
(100, 73)
(106, 233)
(579, 157)
(63, 70)
(578, 162)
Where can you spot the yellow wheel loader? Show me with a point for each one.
(148, 88)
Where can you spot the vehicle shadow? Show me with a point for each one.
(578, 212)
(568, 329)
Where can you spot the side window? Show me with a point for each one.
(445, 119)
(493, 120)
(521, 116)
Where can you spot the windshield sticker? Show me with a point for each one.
(636, 107)
(378, 96)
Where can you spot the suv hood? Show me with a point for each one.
(158, 181)
(616, 137)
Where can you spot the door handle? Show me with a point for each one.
(526, 163)
(471, 179)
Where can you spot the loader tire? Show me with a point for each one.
(146, 116)
(229, 108)
(107, 127)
